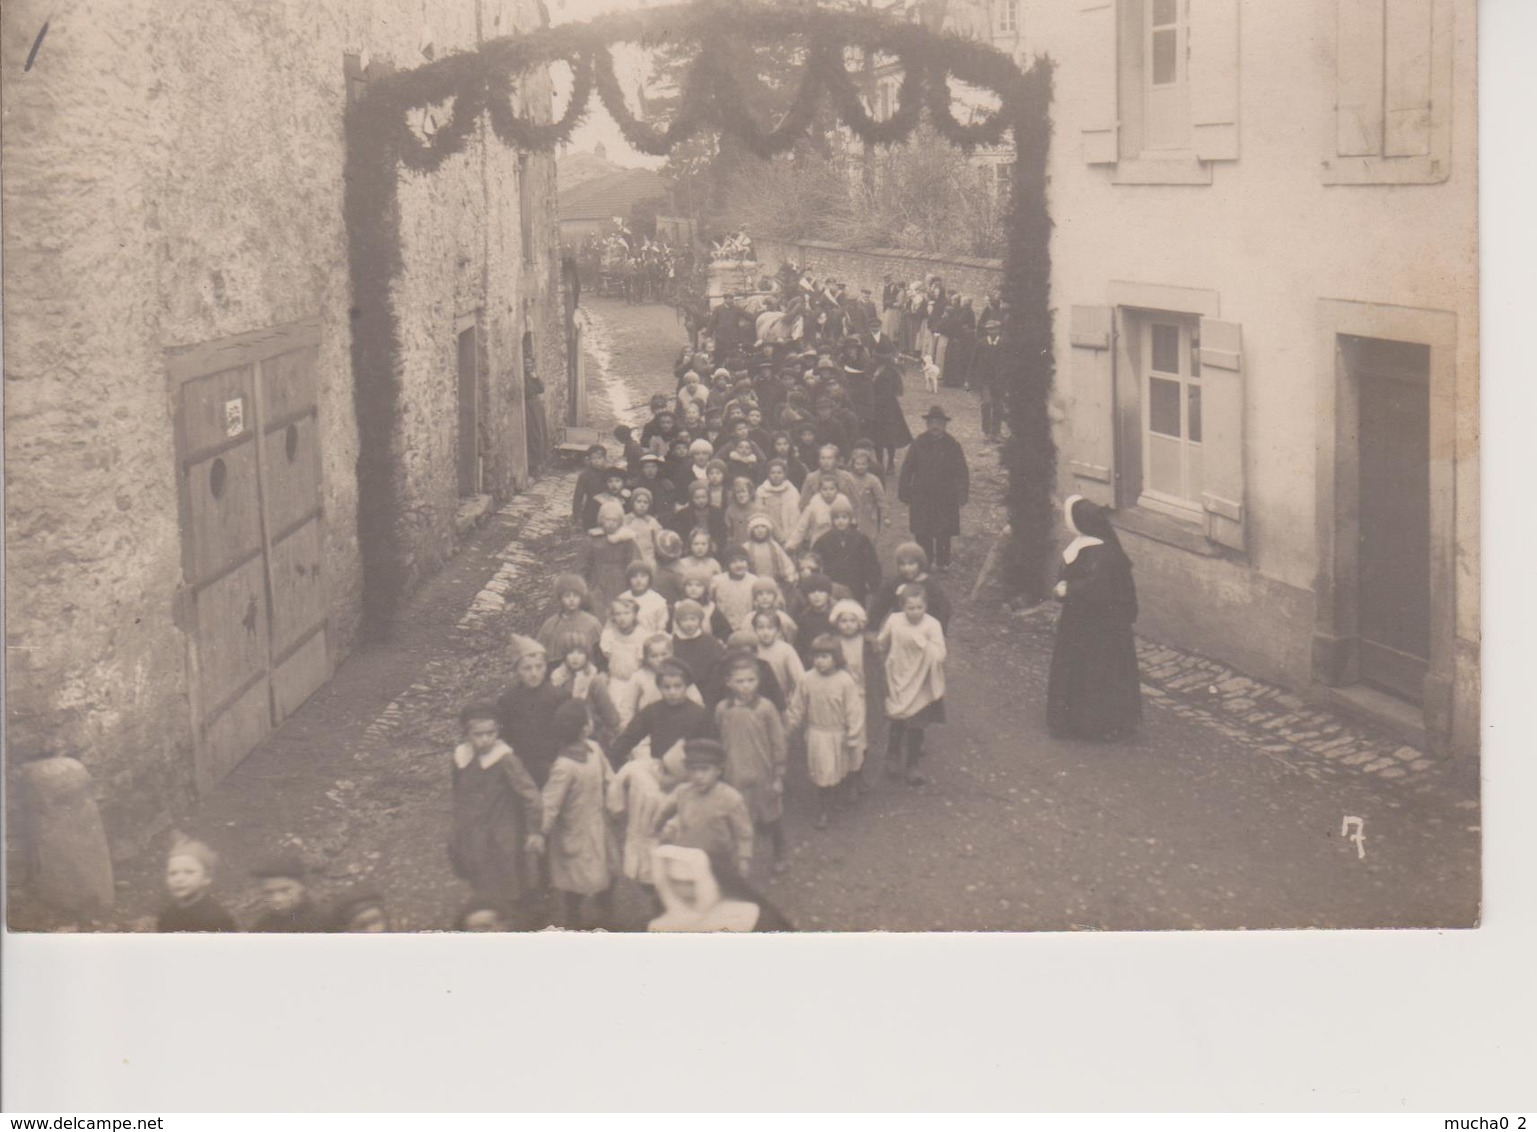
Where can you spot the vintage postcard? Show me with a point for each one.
(909, 466)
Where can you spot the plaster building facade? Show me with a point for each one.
(182, 565)
(1264, 267)
(1264, 264)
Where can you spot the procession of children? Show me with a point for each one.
(729, 628)
(744, 636)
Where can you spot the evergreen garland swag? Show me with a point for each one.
(380, 139)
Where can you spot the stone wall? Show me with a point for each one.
(868, 267)
(174, 178)
(464, 264)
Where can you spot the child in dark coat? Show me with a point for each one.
(525, 709)
(287, 900)
(589, 483)
(497, 810)
(816, 613)
(912, 566)
(695, 646)
(614, 491)
(848, 556)
(189, 870)
(668, 721)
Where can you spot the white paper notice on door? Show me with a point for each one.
(234, 416)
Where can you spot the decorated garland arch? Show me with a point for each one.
(482, 82)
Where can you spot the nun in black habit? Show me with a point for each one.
(1095, 690)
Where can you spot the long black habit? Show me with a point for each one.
(1095, 690)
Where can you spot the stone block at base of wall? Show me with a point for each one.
(63, 842)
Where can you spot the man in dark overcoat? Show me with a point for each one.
(867, 308)
(935, 484)
(731, 327)
(987, 374)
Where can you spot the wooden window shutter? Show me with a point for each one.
(1222, 431)
(1093, 412)
(1358, 70)
(1406, 79)
(1101, 110)
(1214, 79)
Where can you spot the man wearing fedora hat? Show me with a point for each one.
(935, 484)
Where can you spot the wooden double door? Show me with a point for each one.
(253, 536)
(1394, 551)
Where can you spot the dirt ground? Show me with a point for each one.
(1204, 820)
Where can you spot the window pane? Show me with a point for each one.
(1164, 12)
(1193, 392)
(1163, 407)
(1164, 472)
(1164, 69)
(1165, 348)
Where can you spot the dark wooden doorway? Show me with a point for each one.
(252, 535)
(469, 415)
(1393, 379)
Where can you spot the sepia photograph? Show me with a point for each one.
(900, 466)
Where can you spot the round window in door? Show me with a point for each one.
(218, 475)
(291, 443)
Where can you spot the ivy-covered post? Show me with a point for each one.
(1030, 454)
(380, 144)
(371, 213)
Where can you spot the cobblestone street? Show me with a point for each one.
(1226, 811)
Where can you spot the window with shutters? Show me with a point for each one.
(1170, 376)
(1393, 87)
(1007, 16)
(1165, 93)
(1160, 88)
(1157, 417)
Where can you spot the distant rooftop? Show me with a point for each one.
(610, 195)
(586, 165)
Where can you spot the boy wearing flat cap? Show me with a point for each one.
(286, 898)
(705, 813)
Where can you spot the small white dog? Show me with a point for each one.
(930, 374)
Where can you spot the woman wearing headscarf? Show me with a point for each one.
(1095, 690)
(703, 892)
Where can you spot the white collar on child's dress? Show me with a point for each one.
(463, 753)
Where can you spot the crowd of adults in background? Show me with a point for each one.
(914, 327)
(636, 267)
